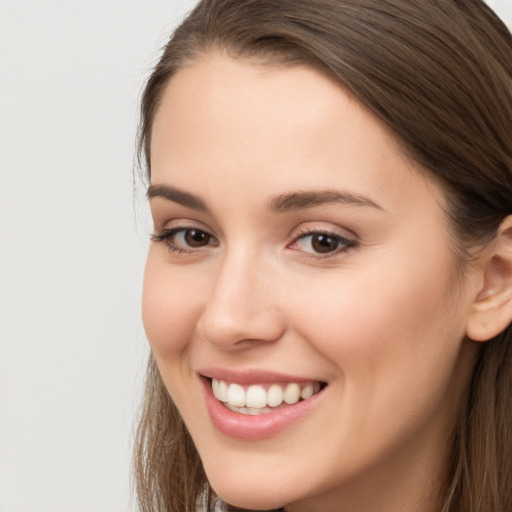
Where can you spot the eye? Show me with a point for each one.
(322, 243)
(193, 237)
(185, 239)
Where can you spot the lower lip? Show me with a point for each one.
(243, 426)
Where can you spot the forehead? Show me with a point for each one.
(256, 124)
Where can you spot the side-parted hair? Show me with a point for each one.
(439, 74)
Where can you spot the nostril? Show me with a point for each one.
(240, 334)
(238, 315)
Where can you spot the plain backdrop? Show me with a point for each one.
(72, 246)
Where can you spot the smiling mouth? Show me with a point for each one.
(262, 398)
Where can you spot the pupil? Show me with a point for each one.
(196, 238)
(324, 243)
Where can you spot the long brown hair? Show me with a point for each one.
(439, 73)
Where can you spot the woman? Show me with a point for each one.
(328, 292)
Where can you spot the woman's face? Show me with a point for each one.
(296, 251)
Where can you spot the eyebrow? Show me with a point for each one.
(280, 204)
(177, 196)
(309, 199)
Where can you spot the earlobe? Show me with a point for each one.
(492, 309)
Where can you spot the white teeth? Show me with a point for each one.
(255, 399)
(215, 388)
(236, 395)
(222, 390)
(274, 395)
(249, 411)
(255, 396)
(307, 391)
(291, 394)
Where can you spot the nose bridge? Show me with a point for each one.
(242, 305)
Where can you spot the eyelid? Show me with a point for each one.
(346, 243)
(308, 228)
(167, 234)
(172, 228)
(167, 223)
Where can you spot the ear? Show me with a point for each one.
(492, 309)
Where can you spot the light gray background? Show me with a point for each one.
(72, 246)
(72, 347)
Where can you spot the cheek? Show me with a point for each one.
(171, 306)
(394, 350)
(388, 329)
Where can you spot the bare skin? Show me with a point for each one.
(292, 236)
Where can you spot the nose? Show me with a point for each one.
(242, 309)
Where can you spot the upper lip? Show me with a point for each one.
(252, 376)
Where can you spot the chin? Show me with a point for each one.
(253, 503)
(250, 495)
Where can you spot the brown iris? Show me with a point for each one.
(323, 243)
(196, 238)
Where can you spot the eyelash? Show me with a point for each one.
(166, 236)
(344, 244)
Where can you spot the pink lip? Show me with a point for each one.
(241, 426)
(251, 376)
